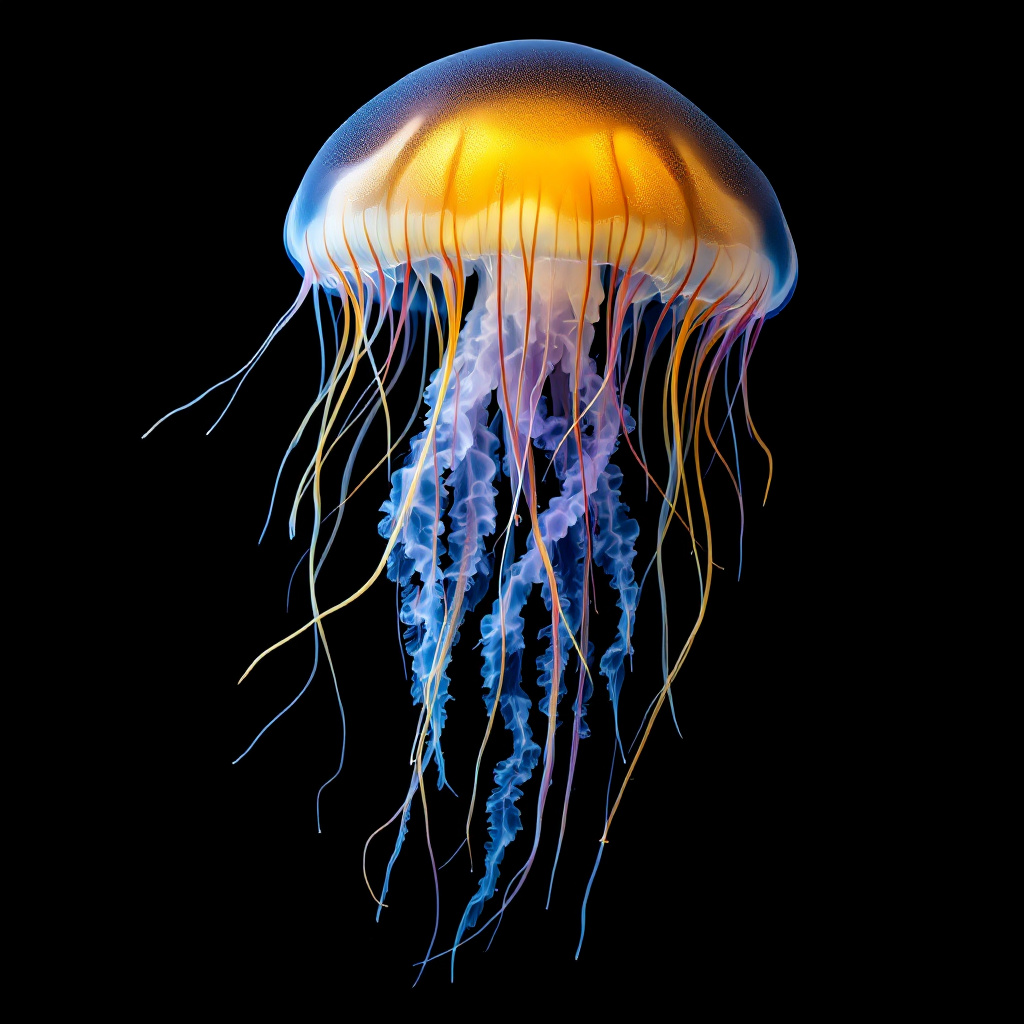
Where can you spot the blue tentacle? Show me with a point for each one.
(614, 550)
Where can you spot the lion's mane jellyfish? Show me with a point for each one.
(577, 188)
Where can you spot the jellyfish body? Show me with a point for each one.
(574, 186)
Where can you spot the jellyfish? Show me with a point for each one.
(533, 231)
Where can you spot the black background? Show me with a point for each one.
(721, 859)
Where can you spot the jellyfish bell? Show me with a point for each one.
(549, 150)
(576, 188)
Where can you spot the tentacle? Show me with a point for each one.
(614, 551)
(562, 535)
(465, 460)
